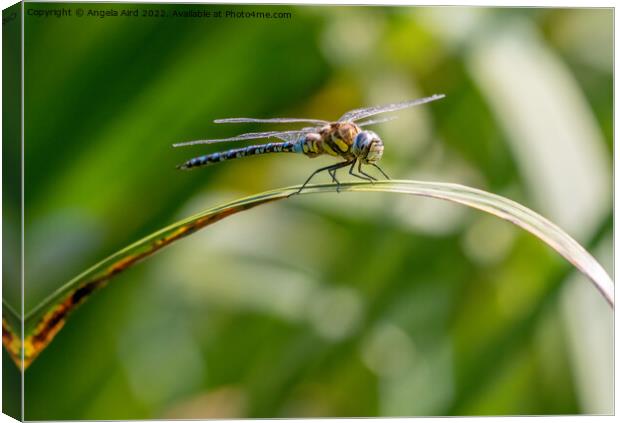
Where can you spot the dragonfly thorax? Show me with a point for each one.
(368, 147)
(335, 139)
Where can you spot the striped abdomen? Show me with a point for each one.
(236, 153)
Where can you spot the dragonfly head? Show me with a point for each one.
(368, 147)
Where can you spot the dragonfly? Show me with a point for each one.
(343, 138)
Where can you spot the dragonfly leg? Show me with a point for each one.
(332, 173)
(381, 170)
(369, 177)
(329, 169)
(366, 178)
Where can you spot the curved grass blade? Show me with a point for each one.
(44, 322)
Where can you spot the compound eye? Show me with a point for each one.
(359, 139)
(364, 138)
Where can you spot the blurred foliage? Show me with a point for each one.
(338, 306)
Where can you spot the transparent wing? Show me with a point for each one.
(370, 111)
(284, 135)
(375, 121)
(273, 120)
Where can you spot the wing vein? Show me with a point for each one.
(273, 120)
(374, 110)
(284, 135)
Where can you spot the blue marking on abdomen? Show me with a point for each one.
(298, 145)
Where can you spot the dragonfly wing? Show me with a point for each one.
(285, 135)
(289, 137)
(273, 120)
(375, 121)
(374, 110)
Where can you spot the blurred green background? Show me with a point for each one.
(331, 305)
